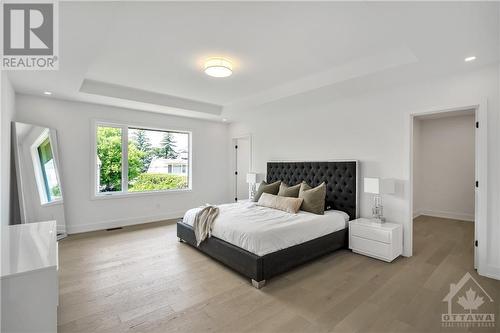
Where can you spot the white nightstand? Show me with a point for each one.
(378, 240)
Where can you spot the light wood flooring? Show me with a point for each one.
(141, 279)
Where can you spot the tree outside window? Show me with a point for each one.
(157, 160)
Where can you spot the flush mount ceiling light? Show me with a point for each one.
(218, 67)
(48, 93)
(470, 59)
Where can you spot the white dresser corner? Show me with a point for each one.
(29, 277)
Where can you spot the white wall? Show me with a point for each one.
(444, 167)
(7, 113)
(444, 172)
(375, 129)
(73, 122)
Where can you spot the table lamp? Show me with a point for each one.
(378, 186)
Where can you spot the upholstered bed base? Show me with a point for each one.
(340, 178)
(261, 268)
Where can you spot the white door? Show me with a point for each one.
(242, 155)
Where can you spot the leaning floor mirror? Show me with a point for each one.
(36, 188)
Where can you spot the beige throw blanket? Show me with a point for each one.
(203, 222)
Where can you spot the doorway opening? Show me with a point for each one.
(242, 163)
(448, 182)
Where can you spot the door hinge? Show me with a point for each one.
(235, 199)
(477, 124)
(475, 243)
(236, 173)
(477, 183)
(236, 147)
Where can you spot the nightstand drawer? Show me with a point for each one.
(367, 232)
(370, 247)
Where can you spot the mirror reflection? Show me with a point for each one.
(37, 187)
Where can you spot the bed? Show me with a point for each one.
(260, 242)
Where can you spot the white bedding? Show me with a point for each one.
(263, 230)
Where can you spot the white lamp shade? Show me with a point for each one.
(379, 186)
(372, 185)
(251, 178)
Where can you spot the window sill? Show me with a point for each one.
(138, 194)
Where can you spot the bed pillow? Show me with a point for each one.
(286, 204)
(264, 187)
(314, 198)
(289, 191)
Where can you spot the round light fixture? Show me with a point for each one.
(218, 67)
(48, 93)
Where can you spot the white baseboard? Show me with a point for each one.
(74, 229)
(446, 215)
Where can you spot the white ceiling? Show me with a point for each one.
(149, 56)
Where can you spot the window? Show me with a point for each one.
(109, 158)
(45, 170)
(156, 160)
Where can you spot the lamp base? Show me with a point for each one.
(378, 210)
(379, 219)
(252, 192)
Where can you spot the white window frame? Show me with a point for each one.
(37, 167)
(95, 194)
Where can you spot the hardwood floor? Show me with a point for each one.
(141, 279)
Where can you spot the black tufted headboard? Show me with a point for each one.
(340, 178)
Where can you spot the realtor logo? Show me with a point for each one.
(468, 305)
(30, 35)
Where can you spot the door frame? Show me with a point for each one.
(234, 165)
(481, 174)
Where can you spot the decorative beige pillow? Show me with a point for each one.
(289, 191)
(264, 187)
(286, 204)
(314, 198)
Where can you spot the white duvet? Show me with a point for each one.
(263, 230)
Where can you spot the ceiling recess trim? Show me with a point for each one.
(137, 95)
(377, 62)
